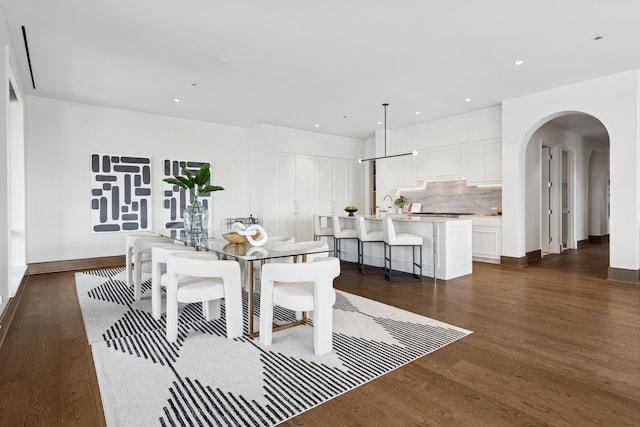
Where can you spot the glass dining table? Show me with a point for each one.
(213, 241)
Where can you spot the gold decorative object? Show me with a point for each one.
(234, 237)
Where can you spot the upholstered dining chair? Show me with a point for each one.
(301, 287)
(142, 259)
(159, 256)
(201, 277)
(128, 253)
(257, 268)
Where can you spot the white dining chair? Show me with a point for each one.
(159, 256)
(128, 253)
(201, 277)
(301, 287)
(142, 260)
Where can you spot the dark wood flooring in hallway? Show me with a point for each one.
(553, 344)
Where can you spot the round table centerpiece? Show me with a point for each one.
(351, 209)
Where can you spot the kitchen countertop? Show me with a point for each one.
(412, 218)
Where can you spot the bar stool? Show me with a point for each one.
(366, 236)
(340, 234)
(319, 231)
(201, 277)
(392, 239)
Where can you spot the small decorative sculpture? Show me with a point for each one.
(251, 231)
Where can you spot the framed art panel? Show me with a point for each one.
(120, 193)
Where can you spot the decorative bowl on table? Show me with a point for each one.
(234, 237)
(351, 209)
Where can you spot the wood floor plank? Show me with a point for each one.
(553, 344)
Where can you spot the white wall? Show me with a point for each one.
(614, 101)
(60, 137)
(551, 136)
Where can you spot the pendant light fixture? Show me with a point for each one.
(413, 153)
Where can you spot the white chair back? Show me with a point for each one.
(388, 231)
(142, 259)
(159, 256)
(301, 287)
(337, 229)
(200, 276)
(361, 227)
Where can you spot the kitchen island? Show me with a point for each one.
(452, 247)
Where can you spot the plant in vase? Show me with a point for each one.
(195, 215)
(351, 209)
(400, 203)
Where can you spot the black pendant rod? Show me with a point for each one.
(26, 47)
(385, 105)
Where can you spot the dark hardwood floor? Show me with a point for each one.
(553, 344)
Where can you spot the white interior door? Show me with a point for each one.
(555, 200)
(545, 214)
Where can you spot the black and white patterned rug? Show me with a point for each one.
(205, 379)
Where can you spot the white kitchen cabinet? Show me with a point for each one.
(338, 184)
(486, 238)
(441, 163)
(402, 170)
(294, 196)
(484, 165)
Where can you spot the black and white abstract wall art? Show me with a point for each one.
(120, 193)
(176, 199)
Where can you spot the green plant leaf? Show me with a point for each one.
(203, 175)
(186, 172)
(175, 181)
(188, 183)
(209, 188)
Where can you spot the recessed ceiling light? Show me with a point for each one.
(379, 123)
(223, 59)
(467, 100)
(176, 100)
(317, 125)
(519, 62)
(417, 113)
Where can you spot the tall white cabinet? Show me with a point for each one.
(338, 183)
(306, 185)
(294, 202)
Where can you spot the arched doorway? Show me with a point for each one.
(567, 164)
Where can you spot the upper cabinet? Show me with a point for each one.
(441, 163)
(484, 163)
(403, 171)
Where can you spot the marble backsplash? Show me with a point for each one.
(455, 196)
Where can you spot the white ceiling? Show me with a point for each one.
(298, 63)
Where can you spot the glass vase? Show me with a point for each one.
(196, 218)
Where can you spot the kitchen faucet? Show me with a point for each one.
(388, 207)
